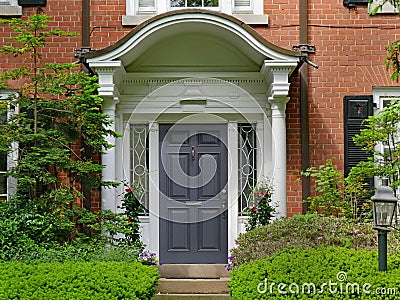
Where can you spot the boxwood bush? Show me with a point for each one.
(78, 280)
(306, 231)
(318, 273)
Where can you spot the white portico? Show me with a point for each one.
(197, 68)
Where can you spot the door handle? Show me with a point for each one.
(193, 152)
(223, 207)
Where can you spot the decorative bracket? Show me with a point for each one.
(305, 50)
(80, 53)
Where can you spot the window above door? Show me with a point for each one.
(248, 11)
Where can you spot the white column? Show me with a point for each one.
(108, 158)
(279, 156)
(110, 73)
(278, 97)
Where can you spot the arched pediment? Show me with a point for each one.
(193, 40)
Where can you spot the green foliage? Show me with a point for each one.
(336, 273)
(307, 231)
(260, 210)
(392, 60)
(122, 228)
(382, 129)
(335, 196)
(56, 109)
(328, 186)
(97, 280)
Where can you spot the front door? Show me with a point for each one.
(193, 193)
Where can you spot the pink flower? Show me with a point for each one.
(131, 189)
(320, 228)
(319, 238)
(247, 229)
(257, 194)
(129, 220)
(255, 208)
(265, 193)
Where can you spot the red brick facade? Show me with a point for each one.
(350, 50)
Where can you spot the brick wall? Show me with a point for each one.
(350, 48)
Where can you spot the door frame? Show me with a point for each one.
(236, 224)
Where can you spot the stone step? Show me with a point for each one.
(193, 286)
(191, 297)
(211, 271)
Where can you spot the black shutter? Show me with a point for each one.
(356, 110)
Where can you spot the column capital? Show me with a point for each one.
(277, 75)
(109, 72)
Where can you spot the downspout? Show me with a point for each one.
(304, 121)
(85, 29)
(86, 190)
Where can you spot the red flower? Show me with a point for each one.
(265, 193)
(255, 208)
(128, 220)
(247, 229)
(257, 194)
(131, 189)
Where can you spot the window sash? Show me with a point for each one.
(139, 162)
(146, 5)
(247, 164)
(241, 5)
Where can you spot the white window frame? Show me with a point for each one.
(10, 8)
(249, 14)
(13, 155)
(380, 96)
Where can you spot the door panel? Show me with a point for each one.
(193, 172)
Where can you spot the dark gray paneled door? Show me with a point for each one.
(193, 193)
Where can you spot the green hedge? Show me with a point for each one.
(80, 280)
(307, 231)
(336, 273)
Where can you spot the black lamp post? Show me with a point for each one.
(384, 205)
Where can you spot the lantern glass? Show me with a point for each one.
(383, 212)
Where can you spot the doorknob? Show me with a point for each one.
(223, 191)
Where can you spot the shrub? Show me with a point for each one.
(260, 210)
(111, 280)
(306, 231)
(335, 196)
(335, 273)
(328, 182)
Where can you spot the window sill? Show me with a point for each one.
(252, 19)
(135, 20)
(10, 10)
(249, 19)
